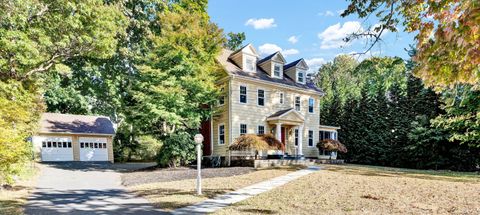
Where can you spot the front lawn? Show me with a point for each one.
(355, 189)
(169, 195)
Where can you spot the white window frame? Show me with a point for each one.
(222, 95)
(280, 71)
(299, 103)
(313, 105)
(219, 142)
(258, 97)
(296, 135)
(258, 129)
(254, 63)
(303, 76)
(246, 129)
(240, 94)
(312, 138)
(281, 98)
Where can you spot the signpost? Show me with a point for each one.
(199, 140)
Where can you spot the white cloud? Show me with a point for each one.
(314, 64)
(262, 23)
(269, 48)
(290, 52)
(340, 11)
(293, 39)
(333, 36)
(326, 13)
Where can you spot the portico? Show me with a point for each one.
(287, 122)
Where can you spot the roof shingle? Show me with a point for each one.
(68, 123)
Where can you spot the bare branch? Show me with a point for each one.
(377, 36)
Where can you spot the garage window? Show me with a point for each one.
(54, 144)
(44, 144)
(104, 145)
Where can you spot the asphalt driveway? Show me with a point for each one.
(85, 188)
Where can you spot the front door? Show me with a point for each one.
(283, 138)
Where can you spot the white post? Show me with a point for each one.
(278, 132)
(300, 140)
(198, 140)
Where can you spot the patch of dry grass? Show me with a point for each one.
(353, 189)
(13, 199)
(176, 194)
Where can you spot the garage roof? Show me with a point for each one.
(68, 123)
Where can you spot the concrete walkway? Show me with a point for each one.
(219, 202)
(77, 188)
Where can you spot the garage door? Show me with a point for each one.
(93, 149)
(56, 149)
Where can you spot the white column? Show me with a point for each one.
(278, 131)
(300, 140)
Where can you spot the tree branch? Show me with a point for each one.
(43, 67)
(38, 14)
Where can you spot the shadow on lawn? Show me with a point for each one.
(258, 211)
(11, 207)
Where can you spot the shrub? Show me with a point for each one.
(177, 149)
(331, 145)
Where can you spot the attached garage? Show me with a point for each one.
(66, 137)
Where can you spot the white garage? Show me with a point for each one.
(67, 137)
(56, 148)
(93, 149)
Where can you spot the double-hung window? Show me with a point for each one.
(310, 138)
(260, 97)
(300, 77)
(243, 129)
(296, 137)
(221, 99)
(261, 129)
(250, 64)
(297, 103)
(328, 135)
(281, 98)
(277, 69)
(311, 105)
(221, 134)
(243, 94)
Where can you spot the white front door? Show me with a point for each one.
(56, 148)
(93, 149)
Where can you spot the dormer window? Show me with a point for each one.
(277, 70)
(250, 64)
(301, 77)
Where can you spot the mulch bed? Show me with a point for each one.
(170, 174)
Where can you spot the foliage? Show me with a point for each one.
(179, 149)
(20, 109)
(272, 142)
(395, 121)
(37, 35)
(257, 142)
(332, 145)
(234, 40)
(447, 35)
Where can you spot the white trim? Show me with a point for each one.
(328, 127)
(264, 97)
(299, 103)
(308, 139)
(240, 94)
(73, 133)
(280, 85)
(280, 72)
(304, 73)
(218, 138)
(240, 128)
(313, 108)
(283, 114)
(258, 130)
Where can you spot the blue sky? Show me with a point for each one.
(309, 29)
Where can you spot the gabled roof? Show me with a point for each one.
(250, 46)
(279, 113)
(270, 57)
(300, 62)
(232, 69)
(69, 123)
(283, 114)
